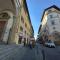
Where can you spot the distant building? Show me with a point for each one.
(14, 20)
(50, 25)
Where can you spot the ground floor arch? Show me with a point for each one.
(6, 22)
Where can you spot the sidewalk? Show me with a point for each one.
(19, 53)
(13, 52)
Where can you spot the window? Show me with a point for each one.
(22, 19)
(54, 28)
(18, 3)
(51, 16)
(21, 28)
(52, 22)
(25, 25)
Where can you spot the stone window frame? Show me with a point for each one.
(52, 22)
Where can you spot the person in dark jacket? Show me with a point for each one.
(30, 44)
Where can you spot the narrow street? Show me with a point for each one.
(19, 52)
(27, 27)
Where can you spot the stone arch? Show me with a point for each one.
(7, 26)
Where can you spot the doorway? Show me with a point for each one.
(2, 25)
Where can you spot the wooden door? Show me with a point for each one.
(2, 24)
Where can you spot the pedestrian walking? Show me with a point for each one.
(30, 44)
(24, 43)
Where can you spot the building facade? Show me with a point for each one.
(50, 25)
(26, 29)
(15, 23)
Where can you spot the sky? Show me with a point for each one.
(36, 8)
